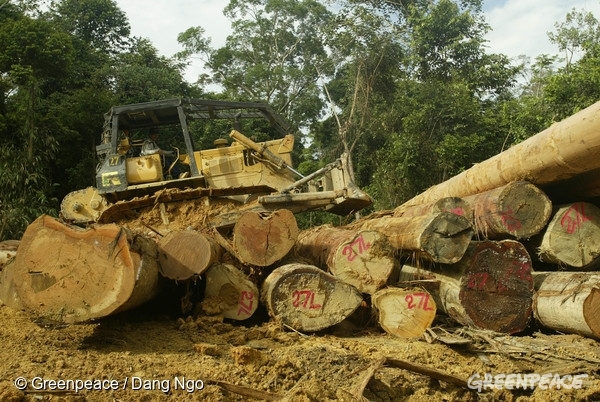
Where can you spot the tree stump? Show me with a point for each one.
(518, 209)
(568, 302)
(405, 313)
(68, 274)
(308, 299)
(572, 237)
(442, 237)
(187, 253)
(364, 259)
(489, 288)
(229, 292)
(262, 239)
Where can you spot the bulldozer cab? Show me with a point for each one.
(124, 168)
(239, 168)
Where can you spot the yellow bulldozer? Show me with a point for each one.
(256, 173)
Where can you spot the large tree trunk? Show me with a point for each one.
(572, 237)
(568, 302)
(308, 299)
(563, 150)
(262, 239)
(229, 292)
(489, 288)
(187, 253)
(441, 237)
(405, 313)
(518, 209)
(363, 259)
(68, 274)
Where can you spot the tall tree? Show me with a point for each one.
(269, 56)
(33, 53)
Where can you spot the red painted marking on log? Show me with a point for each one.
(244, 307)
(478, 280)
(309, 299)
(519, 269)
(509, 221)
(457, 211)
(423, 301)
(362, 247)
(572, 223)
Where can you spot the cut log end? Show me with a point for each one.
(68, 274)
(365, 261)
(405, 313)
(262, 239)
(497, 286)
(518, 209)
(185, 254)
(307, 298)
(570, 237)
(229, 292)
(447, 237)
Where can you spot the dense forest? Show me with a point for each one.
(407, 88)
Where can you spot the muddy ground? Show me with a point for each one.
(150, 354)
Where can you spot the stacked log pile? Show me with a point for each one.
(478, 248)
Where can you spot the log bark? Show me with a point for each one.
(561, 151)
(68, 274)
(405, 313)
(456, 205)
(568, 302)
(442, 237)
(364, 259)
(491, 287)
(571, 238)
(262, 239)
(229, 292)
(518, 209)
(306, 298)
(187, 253)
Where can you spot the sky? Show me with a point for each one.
(518, 27)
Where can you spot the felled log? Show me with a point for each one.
(561, 151)
(518, 209)
(229, 292)
(405, 313)
(572, 237)
(364, 259)
(262, 239)
(456, 205)
(187, 253)
(568, 302)
(441, 237)
(68, 274)
(307, 298)
(491, 287)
